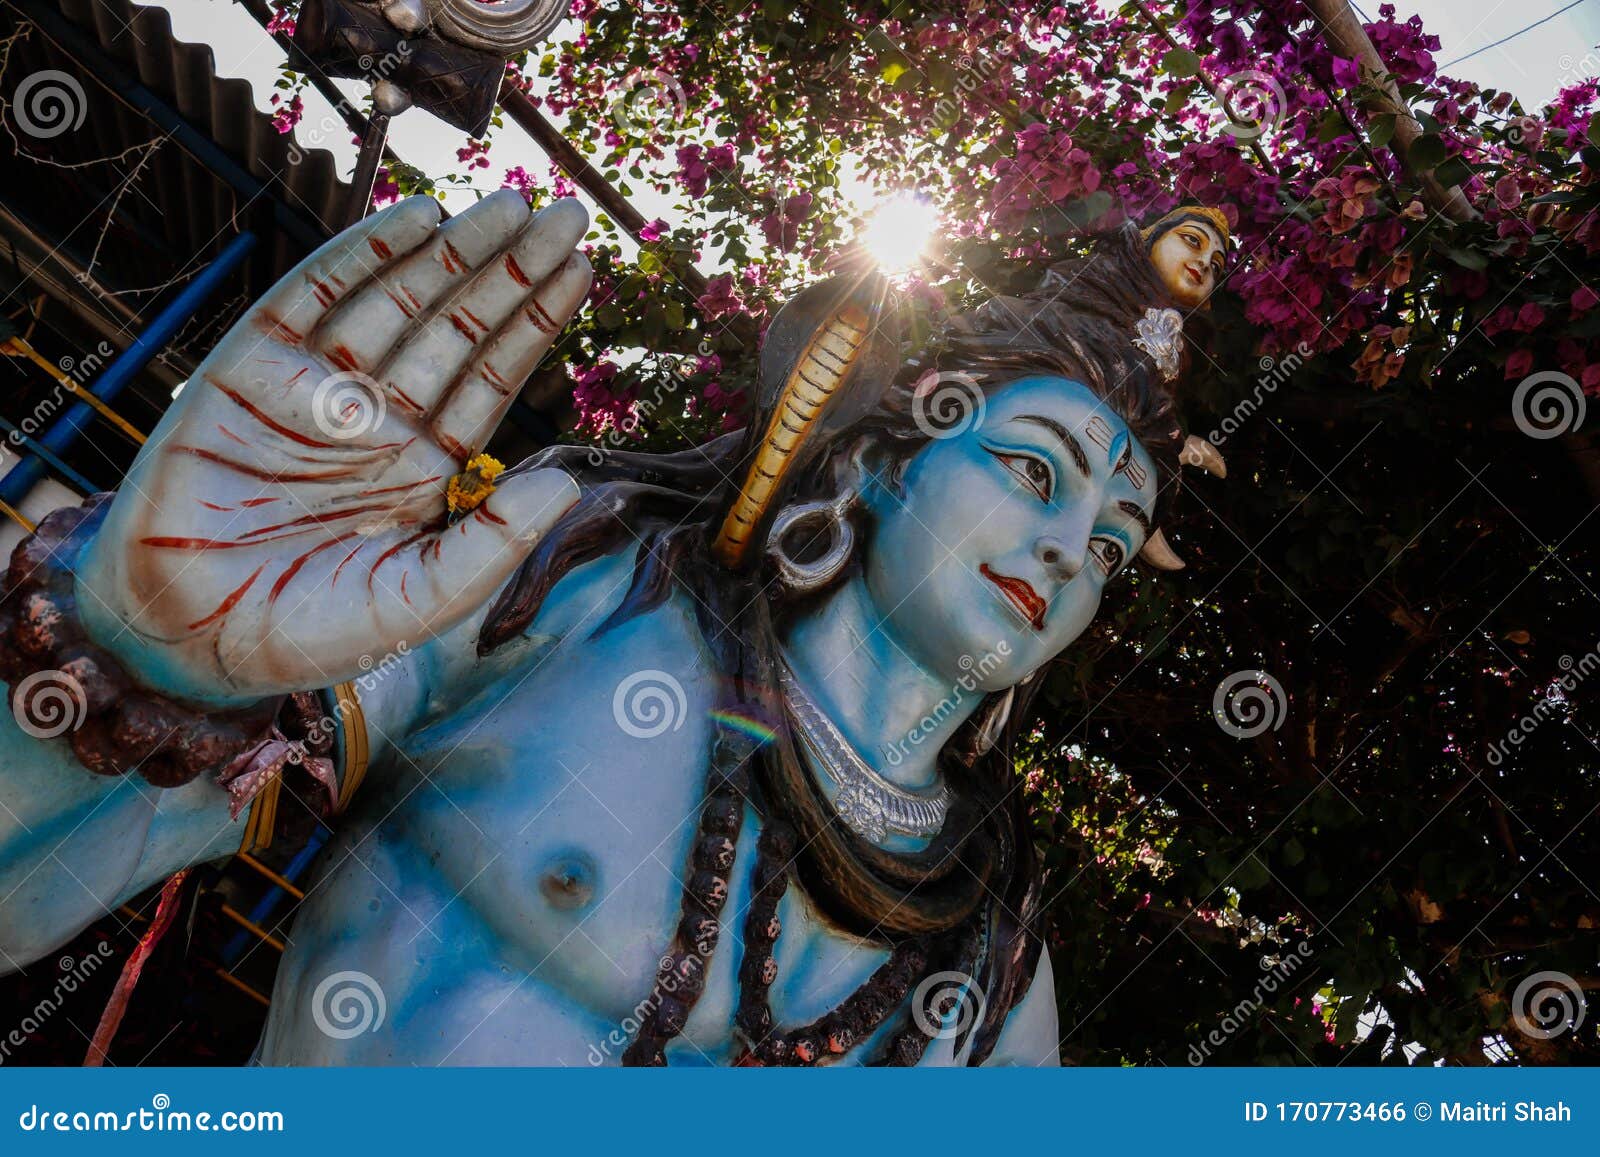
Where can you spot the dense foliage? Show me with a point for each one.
(1409, 568)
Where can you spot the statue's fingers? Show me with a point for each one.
(477, 311)
(361, 332)
(473, 410)
(291, 308)
(439, 353)
(431, 584)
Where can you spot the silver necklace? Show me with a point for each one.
(869, 805)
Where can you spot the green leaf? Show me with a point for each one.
(1380, 130)
(1252, 874)
(1180, 62)
(1427, 151)
(1344, 1028)
(1466, 258)
(1594, 131)
(1452, 172)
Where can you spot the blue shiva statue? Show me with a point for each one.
(696, 758)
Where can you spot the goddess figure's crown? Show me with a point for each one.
(1205, 214)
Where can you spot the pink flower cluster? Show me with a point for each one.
(1048, 169)
(1030, 132)
(287, 114)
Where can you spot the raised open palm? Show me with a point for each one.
(287, 524)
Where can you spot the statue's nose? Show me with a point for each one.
(1060, 560)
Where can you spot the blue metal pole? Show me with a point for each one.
(154, 338)
(60, 467)
(262, 912)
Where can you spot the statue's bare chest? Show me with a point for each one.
(561, 811)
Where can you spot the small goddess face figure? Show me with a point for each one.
(1008, 531)
(1189, 258)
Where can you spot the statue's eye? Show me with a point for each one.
(1034, 473)
(1109, 553)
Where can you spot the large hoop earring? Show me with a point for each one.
(994, 726)
(813, 519)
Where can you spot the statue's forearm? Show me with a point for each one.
(73, 845)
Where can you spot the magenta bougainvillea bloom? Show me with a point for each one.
(1031, 133)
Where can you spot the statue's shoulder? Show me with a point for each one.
(592, 593)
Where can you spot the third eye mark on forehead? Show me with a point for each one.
(1125, 462)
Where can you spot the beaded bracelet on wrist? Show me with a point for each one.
(64, 685)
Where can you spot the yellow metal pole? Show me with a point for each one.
(16, 516)
(17, 347)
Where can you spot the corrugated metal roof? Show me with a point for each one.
(142, 218)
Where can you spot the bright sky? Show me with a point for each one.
(1533, 65)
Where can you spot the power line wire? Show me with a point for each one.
(1513, 36)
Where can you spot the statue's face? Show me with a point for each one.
(1189, 259)
(993, 557)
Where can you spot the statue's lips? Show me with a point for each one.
(1021, 594)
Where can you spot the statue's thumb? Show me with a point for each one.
(480, 550)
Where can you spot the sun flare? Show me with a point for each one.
(899, 230)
